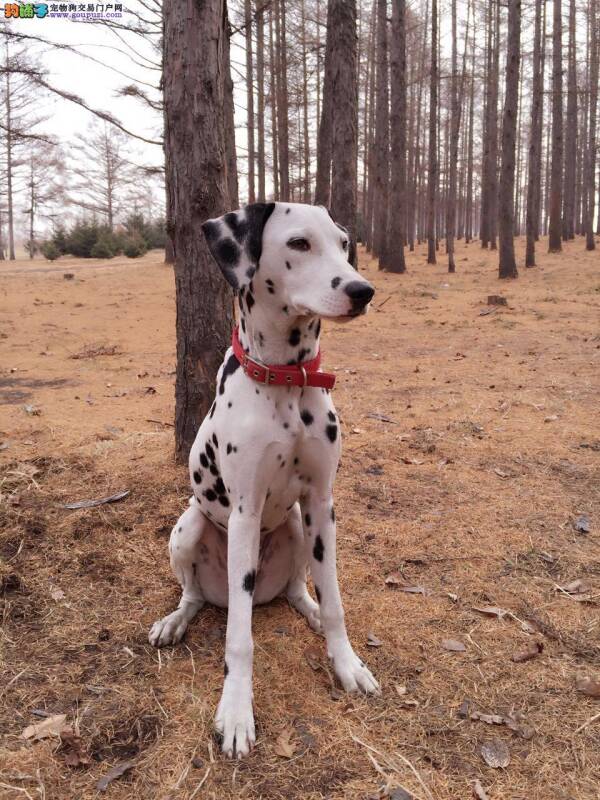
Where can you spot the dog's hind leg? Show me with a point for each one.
(183, 549)
(296, 590)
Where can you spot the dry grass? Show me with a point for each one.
(470, 492)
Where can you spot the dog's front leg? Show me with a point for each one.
(319, 525)
(235, 718)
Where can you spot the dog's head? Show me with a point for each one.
(291, 255)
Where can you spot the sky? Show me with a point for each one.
(96, 84)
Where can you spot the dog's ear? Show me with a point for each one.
(235, 241)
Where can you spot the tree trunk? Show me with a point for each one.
(506, 222)
(590, 243)
(229, 123)
(249, 99)
(568, 230)
(345, 116)
(325, 133)
(393, 256)
(282, 102)
(196, 165)
(469, 199)
(453, 148)
(260, 94)
(535, 141)
(9, 170)
(306, 141)
(554, 229)
(382, 137)
(433, 158)
(273, 100)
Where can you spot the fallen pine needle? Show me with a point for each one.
(390, 763)
(200, 785)
(589, 722)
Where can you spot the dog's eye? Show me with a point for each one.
(344, 244)
(299, 244)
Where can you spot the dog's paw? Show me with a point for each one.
(169, 629)
(235, 722)
(306, 606)
(354, 675)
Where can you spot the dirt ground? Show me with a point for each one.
(471, 452)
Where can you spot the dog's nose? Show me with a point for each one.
(360, 292)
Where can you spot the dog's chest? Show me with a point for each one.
(261, 447)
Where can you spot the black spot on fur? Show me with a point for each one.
(209, 451)
(204, 460)
(250, 272)
(243, 324)
(229, 448)
(211, 230)
(230, 367)
(225, 669)
(318, 593)
(302, 354)
(239, 227)
(219, 486)
(331, 416)
(318, 549)
(249, 581)
(240, 509)
(213, 469)
(228, 252)
(285, 310)
(288, 265)
(229, 404)
(215, 440)
(249, 301)
(294, 338)
(306, 417)
(295, 461)
(210, 495)
(287, 211)
(318, 329)
(224, 500)
(332, 514)
(257, 216)
(331, 431)
(335, 282)
(307, 520)
(212, 410)
(194, 568)
(198, 476)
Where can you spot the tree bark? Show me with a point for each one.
(393, 256)
(590, 243)
(568, 231)
(506, 222)
(345, 116)
(196, 165)
(249, 99)
(229, 122)
(260, 91)
(382, 137)
(535, 141)
(273, 94)
(325, 133)
(554, 229)
(433, 157)
(9, 169)
(282, 102)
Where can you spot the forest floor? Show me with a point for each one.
(471, 454)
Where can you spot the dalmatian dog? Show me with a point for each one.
(264, 461)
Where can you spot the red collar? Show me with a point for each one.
(304, 374)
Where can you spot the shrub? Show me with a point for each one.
(134, 247)
(82, 237)
(50, 250)
(103, 248)
(59, 240)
